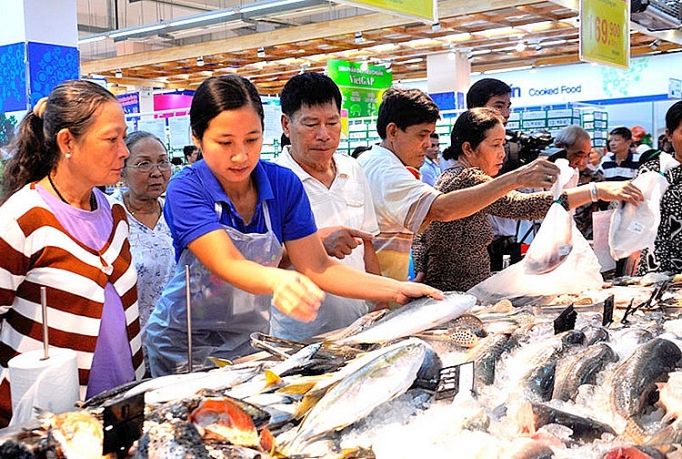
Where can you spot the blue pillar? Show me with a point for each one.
(38, 50)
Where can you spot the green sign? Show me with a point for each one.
(605, 32)
(420, 9)
(361, 86)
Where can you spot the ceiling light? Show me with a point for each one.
(261, 52)
(532, 69)
(119, 73)
(128, 32)
(359, 38)
(452, 55)
(520, 47)
(654, 44)
(264, 6)
(477, 52)
(200, 61)
(201, 18)
(92, 39)
(435, 27)
(553, 42)
(538, 47)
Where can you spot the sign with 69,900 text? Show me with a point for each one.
(605, 32)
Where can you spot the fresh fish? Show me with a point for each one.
(633, 452)
(486, 355)
(670, 396)
(387, 373)
(174, 439)
(223, 420)
(521, 317)
(357, 326)
(582, 368)
(79, 433)
(595, 334)
(414, 317)
(531, 449)
(459, 336)
(532, 416)
(429, 372)
(635, 379)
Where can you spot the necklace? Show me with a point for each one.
(93, 200)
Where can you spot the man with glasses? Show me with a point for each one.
(338, 192)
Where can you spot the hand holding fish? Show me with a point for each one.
(619, 191)
(408, 291)
(296, 295)
(538, 174)
(340, 241)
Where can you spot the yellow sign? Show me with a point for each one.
(605, 32)
(420, 9)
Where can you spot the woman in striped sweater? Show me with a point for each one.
(59, 231)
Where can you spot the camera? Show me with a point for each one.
(524, 148)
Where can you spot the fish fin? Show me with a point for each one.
(271, 378)
(267, 441)
(664, 438)
(220, 363)
(634, 433)
(300, 388)
(308, 402)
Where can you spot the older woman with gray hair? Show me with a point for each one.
(576, 145)
(146, 174)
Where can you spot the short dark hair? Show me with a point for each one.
(221, 93)
(309, 88)
(187, 150)
(471, 126)
(673, 117)
(405, 108)
(480, 92)
(434, 135)
(623, 132)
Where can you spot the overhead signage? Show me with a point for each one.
(425, 10)
(605, 32)
(361, 86)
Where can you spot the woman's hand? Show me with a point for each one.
(619, 191)
(408, 291)
(296, 295)
(538, 174)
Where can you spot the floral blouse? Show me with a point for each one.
(454, 254)
(154, 259)
(667, 253)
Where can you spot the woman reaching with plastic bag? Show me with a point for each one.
(667, 245)
(453, 255)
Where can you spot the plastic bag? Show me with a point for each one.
(634, 228)
(579, 271)
(559, 261)
(554, 241)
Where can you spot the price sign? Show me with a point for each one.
(605, 32)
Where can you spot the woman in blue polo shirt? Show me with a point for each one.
(230, 216)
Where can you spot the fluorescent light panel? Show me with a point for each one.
(127, 32)
(265, 6)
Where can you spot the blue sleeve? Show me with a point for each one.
(297, 218)
(189, 210)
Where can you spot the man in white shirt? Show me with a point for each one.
(338, 192)
(405, 206)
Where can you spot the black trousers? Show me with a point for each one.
(503, 245)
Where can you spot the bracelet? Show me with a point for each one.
(593, 192)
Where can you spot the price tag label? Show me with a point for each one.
(605, 32)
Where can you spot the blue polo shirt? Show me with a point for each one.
(192, 194)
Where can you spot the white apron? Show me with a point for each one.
(223, 316)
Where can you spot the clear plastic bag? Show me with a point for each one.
(634, 228)
(559, 261)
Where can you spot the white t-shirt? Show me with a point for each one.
(401, 204)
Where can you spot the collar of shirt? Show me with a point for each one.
(216, 191)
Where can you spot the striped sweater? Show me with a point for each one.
(36, 251)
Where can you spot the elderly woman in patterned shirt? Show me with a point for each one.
(453, 255)
(146, 173)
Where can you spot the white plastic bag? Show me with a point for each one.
(634, 228)
(562, 262)
(554, 240)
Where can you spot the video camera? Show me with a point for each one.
(524, 148)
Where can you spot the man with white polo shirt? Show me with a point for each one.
(338, 192)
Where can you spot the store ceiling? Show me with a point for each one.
(303, 38)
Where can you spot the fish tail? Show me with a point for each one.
(664, 438)
(634, 433)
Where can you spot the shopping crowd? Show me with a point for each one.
(297, 247)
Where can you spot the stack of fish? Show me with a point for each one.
(368, 391)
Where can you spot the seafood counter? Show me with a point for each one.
(431, 379)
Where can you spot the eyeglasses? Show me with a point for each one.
(147, 166)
